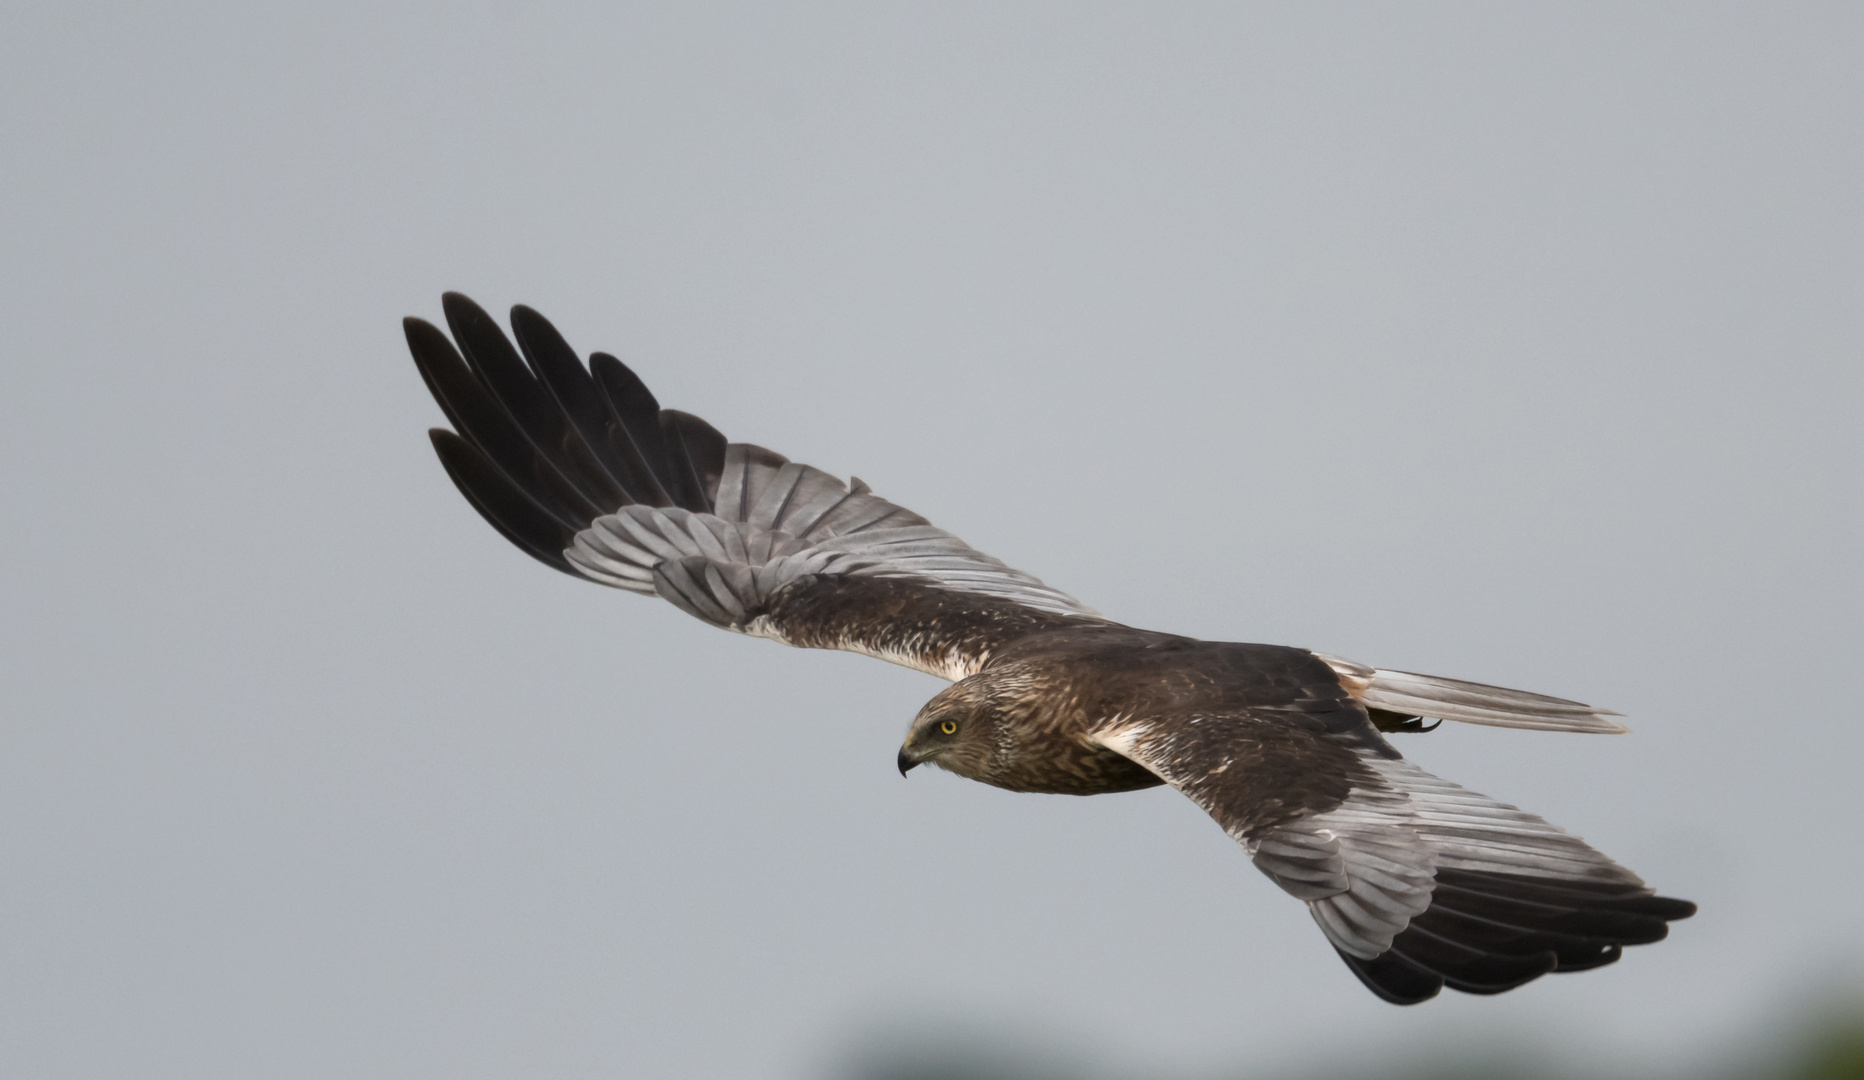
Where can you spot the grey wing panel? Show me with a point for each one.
(1418, 883)
(907, 593)
(1308, 807)
(776, 522)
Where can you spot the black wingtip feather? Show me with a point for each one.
(1395, 979)
(684, 483)
(635, 417)
(703, 446)
(637, 452)
(432, 352)
(1486, 933)
(491, 430)
(543, 444)
(562, 372)
(537, 425)
(506, 507)
(1470, 970)
(1667, 908)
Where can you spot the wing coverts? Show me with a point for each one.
(800, 522)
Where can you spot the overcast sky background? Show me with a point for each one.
(1515, 343)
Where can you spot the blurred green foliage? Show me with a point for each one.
(1834, 1052)
(1827, 1046)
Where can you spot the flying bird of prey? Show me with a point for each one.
(1416, 882)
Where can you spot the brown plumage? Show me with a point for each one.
(1416, 882)
(1049, 699)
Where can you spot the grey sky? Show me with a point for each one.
(1520, 344)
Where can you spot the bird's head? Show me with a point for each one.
(962, 730)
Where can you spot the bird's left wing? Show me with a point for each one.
(580, 467)
(1416, 882)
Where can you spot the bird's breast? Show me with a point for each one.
(1064, 766)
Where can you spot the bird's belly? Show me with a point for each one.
(1077, 771)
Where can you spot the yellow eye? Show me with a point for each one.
(949, 727)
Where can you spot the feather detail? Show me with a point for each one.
(1409, 694)
(580, 467)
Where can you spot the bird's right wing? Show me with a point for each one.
(581, 468)
(1416, 882)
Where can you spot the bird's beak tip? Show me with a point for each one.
(906, 761)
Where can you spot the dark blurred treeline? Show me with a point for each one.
(1828, 1047)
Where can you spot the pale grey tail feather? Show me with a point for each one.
(775, 522)
(1438, 698)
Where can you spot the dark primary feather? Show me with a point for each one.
(695, 457)
(633, 429)
(516, 516)
(542, 428)
(1487, 933)
(543, 447)
(588, 412)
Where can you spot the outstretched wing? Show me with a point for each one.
(1418, 883)
(581, 468)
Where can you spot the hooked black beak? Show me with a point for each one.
(907, 761)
